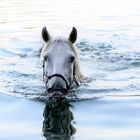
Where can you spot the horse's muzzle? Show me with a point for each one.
(57, 91)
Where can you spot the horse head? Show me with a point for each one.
(60, 63)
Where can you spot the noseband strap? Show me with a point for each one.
(60, 76)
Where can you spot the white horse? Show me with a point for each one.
(61, 69)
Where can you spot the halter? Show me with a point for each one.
(60, 76)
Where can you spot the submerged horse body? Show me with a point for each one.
(61, 69)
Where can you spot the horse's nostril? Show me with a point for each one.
(49, 89)
(64, 90)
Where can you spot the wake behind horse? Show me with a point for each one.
(61, 69)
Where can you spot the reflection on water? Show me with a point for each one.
(58, 120)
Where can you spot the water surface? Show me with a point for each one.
(109, 53)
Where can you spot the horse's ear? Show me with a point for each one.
(73, 35)
(45, 34)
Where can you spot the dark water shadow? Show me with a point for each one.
(58, 121)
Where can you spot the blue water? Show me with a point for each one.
(108, 47)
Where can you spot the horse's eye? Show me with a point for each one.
(45, 58)
(72, 58)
